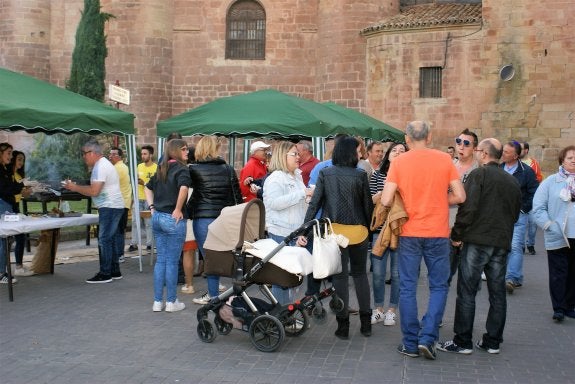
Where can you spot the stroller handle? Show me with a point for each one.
(304, 229)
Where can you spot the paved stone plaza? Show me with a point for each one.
(61, 330)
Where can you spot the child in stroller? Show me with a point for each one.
(227, 254)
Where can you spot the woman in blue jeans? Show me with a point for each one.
(284, 195)
(8, 189)
(166, 194)
(216, 186)
(379, 264)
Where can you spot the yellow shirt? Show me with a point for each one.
(125, 186)
(145, 173)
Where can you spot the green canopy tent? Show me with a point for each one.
(379, 130)
(269, 113)
(35, 106)
(272, 113)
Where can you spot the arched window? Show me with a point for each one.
(246, 31)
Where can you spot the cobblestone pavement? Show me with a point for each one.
(61, 330)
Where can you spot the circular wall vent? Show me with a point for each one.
(507, 72)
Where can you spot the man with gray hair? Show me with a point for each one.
(306, 159)
(428, 183)
(104, 188)
(484, 228)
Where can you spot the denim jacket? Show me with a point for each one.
(284, 200)
(551, 213)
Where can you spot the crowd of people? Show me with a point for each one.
(471, 214)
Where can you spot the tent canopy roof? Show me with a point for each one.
(33, 105)
(274, 114)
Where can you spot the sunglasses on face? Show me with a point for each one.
(466, 143)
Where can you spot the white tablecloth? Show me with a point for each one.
(32, 224)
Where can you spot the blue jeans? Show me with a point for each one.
(170, 239)
(515, 260)
(474, 260)
(120, 238)
(4, 207)
(379, 266)
(283, 295)
(435, 253)
(108, 222)
(201, 233)
(531, 232)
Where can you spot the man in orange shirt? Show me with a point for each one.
(428, 183)
(253, 172)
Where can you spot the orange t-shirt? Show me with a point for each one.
(423, 178)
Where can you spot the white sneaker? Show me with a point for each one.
(22, 271)
(376, 316)
(4, 279)
(188, 289)
(389, 318)
(203, 300)
(158, 306)
(174, 306)
(222, 288)
(483, 277)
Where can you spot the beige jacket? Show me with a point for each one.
(392, 219)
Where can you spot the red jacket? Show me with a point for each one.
(256, 169)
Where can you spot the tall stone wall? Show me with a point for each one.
(341, 68)
(537, 105)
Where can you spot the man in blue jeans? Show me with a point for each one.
(105, 191)
(484, 225)
(528, 183)
(428, 183)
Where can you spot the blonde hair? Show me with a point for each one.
(207, 148)
(278, 161)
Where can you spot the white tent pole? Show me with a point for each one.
(132, 152)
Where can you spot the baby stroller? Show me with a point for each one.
(227, 253)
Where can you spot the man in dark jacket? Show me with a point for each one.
(484, 225)
(528, 183)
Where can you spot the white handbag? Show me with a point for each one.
(326, 253)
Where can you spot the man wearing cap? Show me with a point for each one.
(254, 170)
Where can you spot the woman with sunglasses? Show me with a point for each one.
(284, 195)
(166, 195)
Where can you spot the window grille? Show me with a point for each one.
(246, 31)
(430, 81)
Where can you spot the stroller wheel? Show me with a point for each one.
(295, 322)
(223, 327)
(336, 304)
(319, 314)
(206, 331)
(266, 333)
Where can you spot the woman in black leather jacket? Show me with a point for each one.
(215, 186)
(342, 192)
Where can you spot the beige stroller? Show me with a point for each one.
(227, 254)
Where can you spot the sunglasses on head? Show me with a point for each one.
(466, 143)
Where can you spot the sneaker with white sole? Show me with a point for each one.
(389, 318)
(189, 289)
(22, 271)
(222, 288)
(377, 316)
(450, 346)
(483, 277)
(4, 279)
(174, 306)
(99, 279)
(481, 346)
(203, 300)
(158, 306)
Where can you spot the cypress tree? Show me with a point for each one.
(89, 57)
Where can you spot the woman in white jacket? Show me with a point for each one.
(554, 211)
(284, 195)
